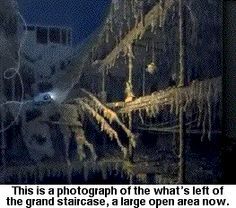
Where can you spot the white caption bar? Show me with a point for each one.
(129, 196)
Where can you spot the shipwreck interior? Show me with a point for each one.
(139, 102)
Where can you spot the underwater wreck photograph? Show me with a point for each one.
(111, 92)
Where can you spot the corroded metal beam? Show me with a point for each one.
(197, 91)
(156, 13)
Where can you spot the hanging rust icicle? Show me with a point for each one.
(204, 126)
(161, 22)
(129, 85)
(181, 47)
(83, 142)
(209, 105)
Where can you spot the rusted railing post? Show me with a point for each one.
(182, 134)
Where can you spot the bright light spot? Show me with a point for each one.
(151, 68)
(52, 95)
